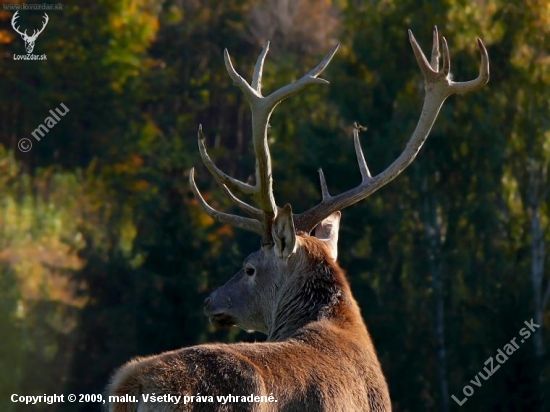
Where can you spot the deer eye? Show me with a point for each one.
(250, 271)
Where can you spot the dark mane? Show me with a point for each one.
(318, 256)
(322, 292)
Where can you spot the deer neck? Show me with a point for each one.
(309, 296)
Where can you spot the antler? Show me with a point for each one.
(261, 107)
(438, 86)
(13, 19)
(35, 32)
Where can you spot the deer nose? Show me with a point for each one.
(207, 301)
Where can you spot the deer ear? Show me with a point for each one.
(327, 231)
(284, 233)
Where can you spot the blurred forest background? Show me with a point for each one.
(105, 254)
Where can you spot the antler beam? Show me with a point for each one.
(438, 86)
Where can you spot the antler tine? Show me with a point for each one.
(435, 50)
(250, 210)
(219, 176)
(37, 32)
(363, 168)
(323, 183)
(258, 70)
(14, 22)
(225, 180)
(310, 78)
(484, 73)
(239, 81)
(237, 221)
(438, 87)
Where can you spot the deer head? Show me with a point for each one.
(29, 40)
(255, 297)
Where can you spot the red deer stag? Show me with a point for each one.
(318, 355)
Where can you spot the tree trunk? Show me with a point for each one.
(537, 276)
(541, 293)
(433, 228)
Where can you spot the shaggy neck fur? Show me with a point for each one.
(316, 290)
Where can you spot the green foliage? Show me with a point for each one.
(105, 255)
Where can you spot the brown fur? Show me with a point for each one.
(328, 364)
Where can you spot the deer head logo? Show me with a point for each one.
(29, 40)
